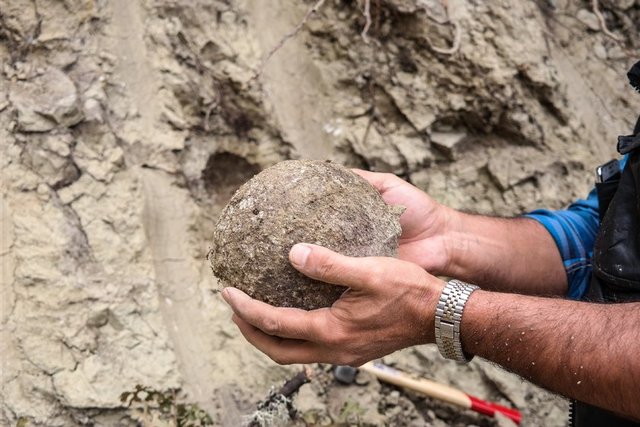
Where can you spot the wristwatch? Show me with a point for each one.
(448, 318)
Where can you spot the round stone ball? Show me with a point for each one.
(299, 201)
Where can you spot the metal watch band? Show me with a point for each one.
(448, 318)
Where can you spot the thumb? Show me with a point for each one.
(327, 266)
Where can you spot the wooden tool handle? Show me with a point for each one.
(439, 391)
(421, 385)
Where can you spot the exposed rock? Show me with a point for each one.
(46, 101)
(356, 405)
(381, 154)
(100, 158)
(50, 157)
(448, 142)
(589, 19)
(508, 171)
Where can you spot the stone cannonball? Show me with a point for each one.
(299, 201)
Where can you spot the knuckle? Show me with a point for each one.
(376, 273)
(280, 359)
(332, 335)
(317, 327)
(326, 266)
(333, 339)
(270, 325)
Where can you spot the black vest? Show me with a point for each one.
(616, 255)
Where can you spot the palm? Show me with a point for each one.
(422, 222)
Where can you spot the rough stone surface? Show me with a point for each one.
(292, 202)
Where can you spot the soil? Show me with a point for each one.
(126, 126)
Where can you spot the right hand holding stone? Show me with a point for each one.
(390, 304)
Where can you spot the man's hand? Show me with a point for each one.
(390, 304)
(504, 254)
(424, 223)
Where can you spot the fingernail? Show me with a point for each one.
(227, 294)
(299, 254)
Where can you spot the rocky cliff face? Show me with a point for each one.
(126, 126)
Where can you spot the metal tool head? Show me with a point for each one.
(345, 374)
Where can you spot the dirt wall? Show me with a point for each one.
(126, 126)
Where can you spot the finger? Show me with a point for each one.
(281, 351)
(282, 322)
(331, 267)
(381, 181)
(385, 183)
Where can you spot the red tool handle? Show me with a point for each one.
(490, 409)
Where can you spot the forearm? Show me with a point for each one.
(590, 352)
(506, 254)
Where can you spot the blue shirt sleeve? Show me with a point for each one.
(574, 230)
